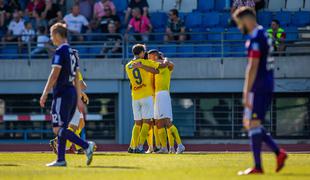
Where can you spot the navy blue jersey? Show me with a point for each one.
(67, 59)
(260, 46)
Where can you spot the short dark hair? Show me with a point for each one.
(61, 29)
(276, 21)
(175, 12)
(137, 49)
(243, 12)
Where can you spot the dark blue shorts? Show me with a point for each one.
(260, 103)
(63, 108)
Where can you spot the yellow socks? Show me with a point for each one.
(176, 135)
(163, 137)
(157, 141)
(170, 137)
(143, 134)
(150, 138)
(135, 136)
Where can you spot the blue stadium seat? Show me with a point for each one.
(291, 33)
(233, 34)
(11, 51)
(203, 51)
(238, 50)
(199, 36)
(193, 20)
(284, 17)
(215, 34)
(225, 19)
(220, 5)
(301, 18)
(186, 50)
(264, 18)
(205, 5)
(211, 19)
(169, 51)
(158, 19)
(217, 50)
(94, 51)
(121, 5)
(83, 51)
(159, 37)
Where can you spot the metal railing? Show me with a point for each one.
(198, 45)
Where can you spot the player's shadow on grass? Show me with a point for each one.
(8, 165)
(111, 167)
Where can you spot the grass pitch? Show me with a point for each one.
(125, 166)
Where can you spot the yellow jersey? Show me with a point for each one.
(162, 80)
(80, 76)
(141, 81)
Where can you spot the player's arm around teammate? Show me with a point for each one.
(142, 92)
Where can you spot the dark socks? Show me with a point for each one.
(65, 134)
(256, 137)
(270, 142)
(69, 135)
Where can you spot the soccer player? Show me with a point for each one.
(258, 88)
(66, 97)
(77, 123)
(142, 95)
(163, 108)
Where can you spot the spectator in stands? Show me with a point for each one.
(113, 46)
(99, 8)
(43, 45)
(13, 5)
(50, 11)
(140, 24)
(5, 16)
(58, 18)
(86, 8)
(175, 26)
(109, 18)
(75, 22)
(93, 28)
(277, 34)
(240, 3)
(28, 35)
(15, 28)
(141, 4)
(35, 7)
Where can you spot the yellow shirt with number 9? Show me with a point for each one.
(141, 81)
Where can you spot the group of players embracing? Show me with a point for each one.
(149, 74)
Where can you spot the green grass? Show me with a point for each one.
(124, 166)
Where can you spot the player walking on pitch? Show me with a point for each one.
(66, 97)
(258, 88)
